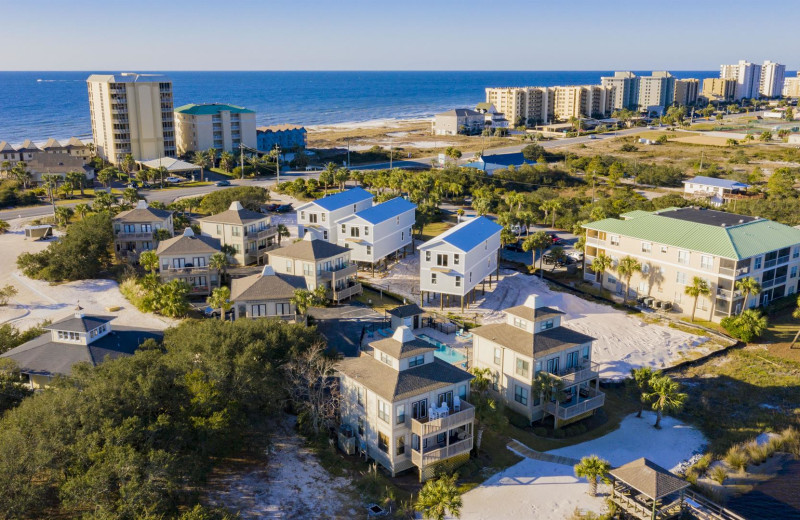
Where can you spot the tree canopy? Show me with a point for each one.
(218, 201)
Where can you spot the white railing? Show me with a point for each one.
(347, 292)
(431, 457)
(427, 427)
(568, 412)
(582, 372)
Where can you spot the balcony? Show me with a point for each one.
(426, 458)
(727, 294)
(188, 270)
(267, 232)
(124, 235)
(577, 374)
(586, 400)
(342, 294)
(426, 427)
(735, 273)
(338, 273)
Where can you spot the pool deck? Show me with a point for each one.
(459, 344)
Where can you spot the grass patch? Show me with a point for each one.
(782, 330)
(435, 229)
(373, 299)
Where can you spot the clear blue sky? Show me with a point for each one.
(395, 35)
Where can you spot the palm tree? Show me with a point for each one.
(747, 286)
(600, 264)
(107, 175)
(641, 380)
(328, 175)
(283, 231)
(63, 214)
(539, 241)
(220, 299)
(161, 234)
(666, 396)
(699, 287)
(483, 378)
(550, 207)
(440, 498)
(593, 468)
(303, 299)
(77, 180)
(149, 261)
(627, 266)
(226, 161)
(219, 261)
(4, 226)
(50, 183)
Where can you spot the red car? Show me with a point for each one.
(555, 238)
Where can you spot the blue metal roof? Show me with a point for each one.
(490, 163)
(386, 210)
(470, 233)
(343, 198)
(719, 183)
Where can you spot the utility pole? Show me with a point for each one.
(348, 152)
(278, 164)
(241, 159)
(391, 150)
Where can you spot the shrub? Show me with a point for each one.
(691, 476)
(628, 147)
(756, 453)
(747, 326)
(702, 464)
(251, 198)
(736, 458)
(718, 474)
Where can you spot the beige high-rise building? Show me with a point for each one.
(214, 125)
(686, 91)
(541, 105)
(582, 101)
(656, 90)
(624, 90)
(791, 87)
(131, 114)
(772, 76)
(719, 88)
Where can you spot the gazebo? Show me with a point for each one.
(645, 490)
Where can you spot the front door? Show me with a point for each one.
(419, 410)
(552, 365)
(416, 322)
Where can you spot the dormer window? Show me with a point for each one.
(384, 357)
(68, 336)
(520, 323)
(547, 324)
(416, 361)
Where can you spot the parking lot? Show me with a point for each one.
(513, 253)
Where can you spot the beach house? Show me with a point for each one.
(266, 295)
(186, 257)
(320, 263)
(531, 341)
(455, 262)
(375, 233)
(320, 216)
(407, 408)
(250, 233)
(712, 189)
(288, 137)
(133, 229)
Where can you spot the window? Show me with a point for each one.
(419, 409)
(793, 273)
(683, 257)
(757, 263)
(383, 411)
(288, 266)
(547, 324)
(236, 231)
(497, 355)
(397, 220)
(258, 310)
(308, 269)
(354, 231)
(325, 234)
(520, 323)
(433, 278)
(572, 359)
(383, 442)
(462, 391)
(552, 365)
(147, 228)
(369, 250)
(496, 381)
(402, 235)
(441, 260)
(400, 448)
(586, 351)
(360, 426)
(129, 228)
(796, 252)
(400, 413)
(680, 277)
(647, 247)
(385, 358)
(645, 268)
(283, 309)
(354, 208)
(178, 263)
(664, 249)
(322, 217)
(706, 262)
(366, 231)
(458, 281)
(521, 395)
(219, 229)
(455, 258)
(522, 367)
(614, 239)
(312, 218)
(416, 361)
(360, 396)
(344, 228)
(427, 256)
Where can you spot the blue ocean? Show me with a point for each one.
(39, 105)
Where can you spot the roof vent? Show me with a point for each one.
(403, 334)
(268, 271)
(724, 225)
(188, 232)
(141, 204)
(236, 206)
(79, 311)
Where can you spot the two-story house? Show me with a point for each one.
(375, 233)
(321, 263)
(77, 338)
(455, 262)
(319, 217)
(674, 245)
(133, 229)
(407, 408)
(266, 295)
(714, 190)
(187, 257)
(250, 233)
(530, 341)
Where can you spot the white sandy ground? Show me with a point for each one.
(291, 485)
(547, 491)
(37, 300)
(374, 123)
(622, 341)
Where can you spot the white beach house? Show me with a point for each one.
(319, 216)
(375, 233)
(455, 262)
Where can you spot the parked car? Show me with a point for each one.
(174, 180)
(146, 185)
(272, 207)
(211, 312)
(575, 255)
(133, 184)
(222, 183)
(515, 246)
(516, 229)
(555, 238)
(549, 259)
(592, 136)
(284, 208)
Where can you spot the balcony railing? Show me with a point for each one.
(337, 273)
(725, 271)
(727, 294)
(262, 233)
(134, 235)
(426, 427)
(582, 372)
(175, 271)
(568, 411)
(427, 458)
(347, 292)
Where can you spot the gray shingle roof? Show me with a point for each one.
(525, 343)
(236, 214)
(402, 350)
(394, 385)
(147, 214)
(649, 478)
(406, 311)
(531, 314)
(42, 356)
(309, 250)
(184, 245)
(266, 287)
(84, 323)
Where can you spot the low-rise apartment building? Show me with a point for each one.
(455, 262)
(791, 87)
(133, 229)
(406, 407)
(214, 125)
(266, 295)
(687, 91)
(288, 137)
(493, 117)
(677, 244)
(52, 158)
(320, 263)
(250, 233)
(375, 233)
(187, 257)
(319, 217)
(533, 340)
(719, 89)
(459, 121)
(712, 189)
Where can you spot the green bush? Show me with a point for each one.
(718, 474)
(703, 463)
(747, 326)
(218, 201)
(736, 457)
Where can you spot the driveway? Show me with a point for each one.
(342, 325)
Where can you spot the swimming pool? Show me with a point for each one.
(444, 352)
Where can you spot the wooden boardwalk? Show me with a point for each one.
(521, 449)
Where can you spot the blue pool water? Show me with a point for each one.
(444, 352)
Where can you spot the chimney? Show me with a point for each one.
(268, 271)
(532, 302)
(236, 206)
(141, 204)
(403, 334)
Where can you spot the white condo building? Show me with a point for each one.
(320, 216)
(375, 233)
(772, 78)
(747, 76)
(455, 262)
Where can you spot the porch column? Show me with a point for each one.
(462, 304)
(441, 301)
(483, 287)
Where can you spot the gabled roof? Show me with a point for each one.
(79, 323)
(171, 164)
(649, 478)
(188, 243)
(211, 108)
(529, 344)
(531, 314)
(342, 199)
(143, 213)
(740, 237)
(5, 147)
(310, 249)
(28, 146)
(266, 286)
(717, 183)
(385, 210)
(394, 385)
(51, 143)
(235, 214)
(402, 344)
(406, 311)
(74, 141)
(467, 235)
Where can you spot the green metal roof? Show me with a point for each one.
(211, 108)
(736, 242)
(635, 213)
